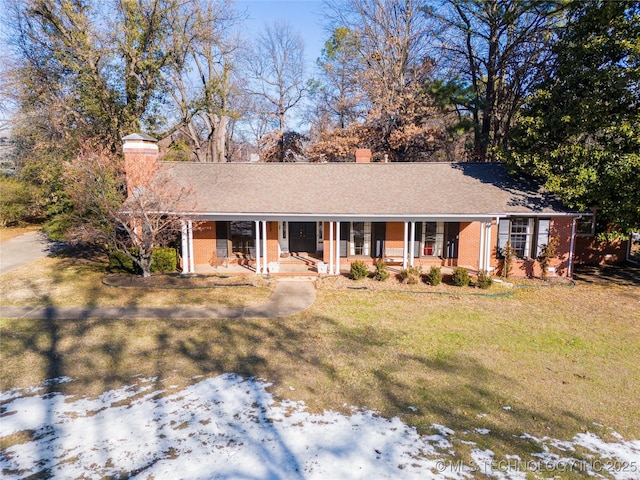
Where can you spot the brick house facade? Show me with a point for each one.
(443, 214)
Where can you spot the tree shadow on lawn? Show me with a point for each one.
(622, 275)
(328, 363)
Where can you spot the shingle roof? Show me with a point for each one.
(381, 190)
(140, 136)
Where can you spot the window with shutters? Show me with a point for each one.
(527, 235)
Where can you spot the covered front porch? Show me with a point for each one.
(309, 246)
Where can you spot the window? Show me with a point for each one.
(542, 237)
(520, 236)
(433, 239)
(586, 226)
(360, 238)
(525, 234)
(242, 237)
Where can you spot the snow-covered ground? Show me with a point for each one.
(231, 428)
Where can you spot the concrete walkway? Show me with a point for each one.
(289, 297)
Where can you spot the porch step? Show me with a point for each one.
(299, 259)
(299, 276)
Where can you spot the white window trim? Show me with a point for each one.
(592, 232)
(532, 232)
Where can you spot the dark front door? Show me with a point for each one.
(378, 234)
(222, 240)
(452, 234)
(302, 237)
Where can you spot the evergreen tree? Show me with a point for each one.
(580, 132)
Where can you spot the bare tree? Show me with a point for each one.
(390, 38)
(275, 66)
(104, 214)
(499, 48)
(206, 46)
(381, 50)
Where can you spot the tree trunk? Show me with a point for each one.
(220, 139)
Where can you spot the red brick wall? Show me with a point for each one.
(590, 251)
(272, 242)
(493, 247)
(394, 236)
(140, 166)
(560, 228)
(325, 241)
(469, 244)
(204, 243)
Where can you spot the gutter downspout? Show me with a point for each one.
(572, 247)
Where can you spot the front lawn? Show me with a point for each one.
(547, 362)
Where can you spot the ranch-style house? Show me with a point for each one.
(266, 215)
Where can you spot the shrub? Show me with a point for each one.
(484, 280)
(121, 263)
(460, 276)
(434, 276)
(20, 201)
(382, 273)
(165, 260)
(411, 275)
(547, 253)
(508, 254)
(359, 270)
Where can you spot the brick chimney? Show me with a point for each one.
(363, 155)
(140, 159)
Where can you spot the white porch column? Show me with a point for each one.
(185, 248)
(257, 240)
(264, 245)
(331, 248)
(487, 247)
(412, 247)
(190, 247)
(404, 246)
(337, 248)
(481, 253)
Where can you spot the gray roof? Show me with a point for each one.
(350, 190)
(140, 136)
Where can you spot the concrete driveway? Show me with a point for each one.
(23, 250)
(289, 297)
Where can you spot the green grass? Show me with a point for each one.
(563, 359)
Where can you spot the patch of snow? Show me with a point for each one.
(229, 427)
(21, 392)
(224, 427)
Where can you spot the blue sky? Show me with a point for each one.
(304, 15)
